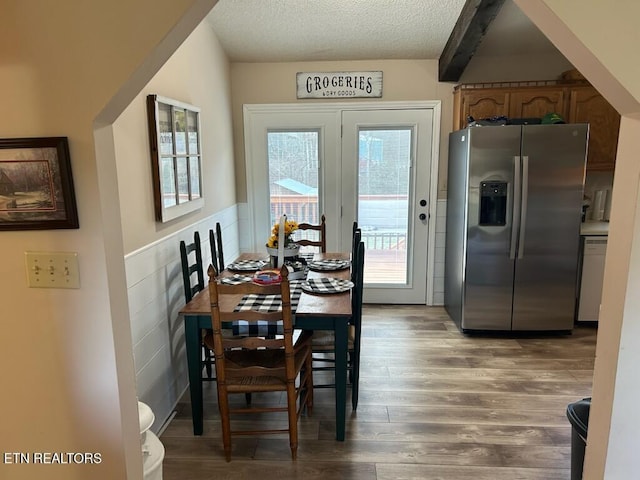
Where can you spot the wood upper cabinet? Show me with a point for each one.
(535, 102)
(577, 103)
(586, 105)
(479, 103)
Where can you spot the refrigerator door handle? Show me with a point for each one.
(523, 206)
(515, 202)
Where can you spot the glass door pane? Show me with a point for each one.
(386, 155)
(293, 176)
(384, 173)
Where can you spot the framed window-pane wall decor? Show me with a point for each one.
(174, 136)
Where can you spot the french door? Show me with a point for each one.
(351, 162)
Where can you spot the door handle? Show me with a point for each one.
(422, 216)
(515, 207)
(524, 204)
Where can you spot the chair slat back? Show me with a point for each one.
(215, 243)
(358, 281)
(357, 238)
(191, 261)
(225, 343)
(321, 243)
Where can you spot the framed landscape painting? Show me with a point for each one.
(36, 185)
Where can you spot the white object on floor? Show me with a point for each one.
(152, 448)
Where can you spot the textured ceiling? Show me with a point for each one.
(312, 30)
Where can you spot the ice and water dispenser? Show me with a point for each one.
(493, 204)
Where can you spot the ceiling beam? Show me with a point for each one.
(472, 24)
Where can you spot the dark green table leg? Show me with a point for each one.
(192, 338)
(341, 346)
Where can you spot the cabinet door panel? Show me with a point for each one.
(536, 103)
(588, 106)
(483, 104)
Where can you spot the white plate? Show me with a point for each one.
(236, 279)
(326, 285)
(330, 264)
(246, 265)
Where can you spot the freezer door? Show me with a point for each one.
(554, 159)
(494, 153)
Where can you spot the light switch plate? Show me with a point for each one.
(52, 269)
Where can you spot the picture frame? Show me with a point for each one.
(176, 157)
(36, 184)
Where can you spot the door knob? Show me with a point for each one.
(423, 203)
(422, 216)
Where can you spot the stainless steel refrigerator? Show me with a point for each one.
(514, 201)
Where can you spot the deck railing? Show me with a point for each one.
(305, 209)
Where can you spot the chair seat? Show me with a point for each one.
(258, 361)
(323, 340)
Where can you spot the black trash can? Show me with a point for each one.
(578, 415)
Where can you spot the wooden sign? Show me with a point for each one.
(339, 84)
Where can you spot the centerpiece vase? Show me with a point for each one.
(278, 255)
(288, 252)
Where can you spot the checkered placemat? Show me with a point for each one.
(326, 285)
(265, 303)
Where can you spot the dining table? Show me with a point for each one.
(313, 311)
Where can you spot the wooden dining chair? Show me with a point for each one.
(319, 239)
(193, 282)
(357, 238)
(215, 242)
(247, 364)
(323, 341)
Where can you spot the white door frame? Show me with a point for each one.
(251, 110)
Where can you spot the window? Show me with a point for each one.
(174, 135)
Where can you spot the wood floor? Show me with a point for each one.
(434, 404)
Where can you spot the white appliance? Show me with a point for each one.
(594, 251)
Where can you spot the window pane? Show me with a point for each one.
(183, 179)
(383, 202)
(293, 175)
(180, 124)
(166, 134)
(168, 182)
(192, 131)
(194, 173)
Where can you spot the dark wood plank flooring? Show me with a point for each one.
(434, 404)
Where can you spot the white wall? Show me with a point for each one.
(198, 74)
(515, 68)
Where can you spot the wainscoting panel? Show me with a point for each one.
(156, 294)
(438, 275)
